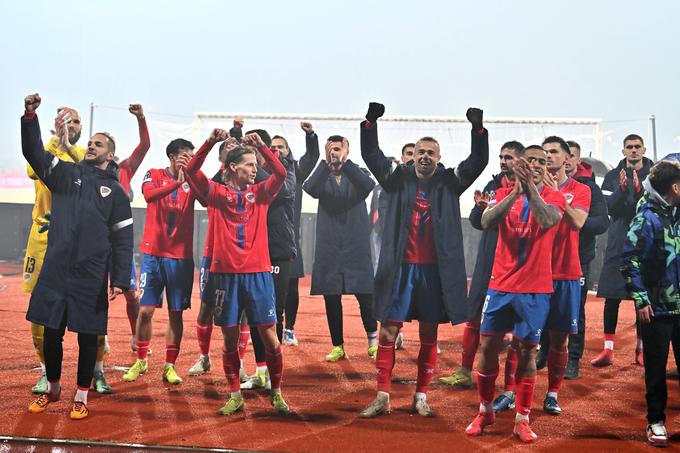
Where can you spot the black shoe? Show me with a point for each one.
(572, 370)
(550, 406)
(673, 374)
(541, 359)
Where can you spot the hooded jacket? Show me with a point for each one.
(650, 263)
(621, 206)
(90, 238)
(598, 218)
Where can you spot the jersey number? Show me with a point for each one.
(30, 265)
(142, 280)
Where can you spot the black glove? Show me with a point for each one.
(375, 111)
(46, 226)
(474, 116)
(237, 133)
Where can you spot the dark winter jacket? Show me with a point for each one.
(598, 218)
(342, 259)
(280, 231)
(90, 238)
(445, 187)
(303, 168)
(650, 262)
(485, 252)
(621, 206)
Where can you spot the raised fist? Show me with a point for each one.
(474, 116)
(238, 123)
(136, 110)
(218, 135)
(375, 111)
(32, 102)
(307, 127)
(253, 139)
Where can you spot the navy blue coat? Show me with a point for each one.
(342, 259)
(446, 186)
(90, 238)
(621, 206)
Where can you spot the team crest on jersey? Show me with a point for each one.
(250, 197)
(492, 193)
(147, 177)
(104, 191)
(569, 197)
(185, 187)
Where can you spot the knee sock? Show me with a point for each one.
(231, 365)
(525, 395)
(243, 337)
(275, 366)
(38, 334)
(486, 383)
(557, 365)
(427, 362)
(384, 364)
(171, 353)
(203, 333)
(142, 348)
(470, 344)
(511, 367)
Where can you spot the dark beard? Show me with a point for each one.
(73, 140)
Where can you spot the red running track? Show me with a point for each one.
(604, 410)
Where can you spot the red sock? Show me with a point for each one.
(203, 333)
(557, 365)
(142, 348)
(275, 366)
(243, 337)
(486, 383)
(427, 362)
(171, 353)
(524, 394)
(384, 364)
(511, 366)
(131, 310)
(231, 365)
(470, 344)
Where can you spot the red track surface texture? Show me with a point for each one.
(604, 410)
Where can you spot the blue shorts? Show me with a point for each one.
(174, 275)
(417, 295)
(205, 281)
(252, 292)
(523, 313)
(133, 275)
(565, 303)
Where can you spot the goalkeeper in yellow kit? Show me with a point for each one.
(65, 149)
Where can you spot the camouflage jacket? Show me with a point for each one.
(651, 255)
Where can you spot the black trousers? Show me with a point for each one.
(54, 355)
(281, 275)
(611, 316)
(292, 303)
(657, 335)
(578, 340)
(334, 315)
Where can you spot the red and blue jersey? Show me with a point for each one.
(169, 226)
(420, 246)
(566, 264)
(522, 263)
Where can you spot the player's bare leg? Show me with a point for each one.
(144, 330)
(384, 363)
(173, 340)
(274, 357)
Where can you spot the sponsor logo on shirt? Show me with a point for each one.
(104, 191)
(185, 187)
(77, 182)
